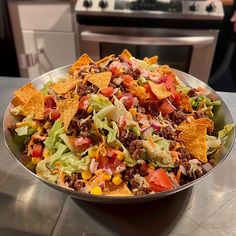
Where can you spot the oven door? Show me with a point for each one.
(191, 51)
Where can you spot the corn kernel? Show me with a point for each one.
(46, 153)
(86, 175)
(92, 153)
(116, 180)
(106, 176)
(133, 111)
(117, 175)
(96, 190)
(120, 156)
(47, 125)
(90, 109)
(35, 160)
(151, 166)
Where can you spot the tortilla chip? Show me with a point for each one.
(194, 139)
(84, 60)
(23, 94)
(185, 103)
(126, 54)
(120, 190)
(159, 90)
(104, 61)
(63, 87)
(153, 60)
(68, 108)
(101, 80)
(35, 106)
(202, 121)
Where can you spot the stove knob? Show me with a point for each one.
(193, 7)
(103, 3)
(87, 3)
(211, 7)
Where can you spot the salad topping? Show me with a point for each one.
(118, 127)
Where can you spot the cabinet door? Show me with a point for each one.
(56, 49)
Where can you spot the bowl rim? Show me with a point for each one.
(91, 197)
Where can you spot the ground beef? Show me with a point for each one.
(199, 114)
(192, 92)
(143, 191)
(178, 117)
(78, 185)
(81, 126)
(72, 179)
(183, 153)
(167, 132)
(84, 89)
(136, 149)
(141, 169)
(152, 107)
(135, 73)
(126, 137)
(197, 173)
(172, 145)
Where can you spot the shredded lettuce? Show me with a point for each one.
(145, 66)
(225, 131)
(213, 144)
(98, 102)
(141, 80)
(21, 131)
(162, 143)
(54, 135)
(181, 86)
(156, 154)
(45, 89)
(204, 104)
(120, 111)
(69, 163)
(66, 140)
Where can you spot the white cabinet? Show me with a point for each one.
(43, 31)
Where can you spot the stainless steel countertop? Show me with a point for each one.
(29, 207)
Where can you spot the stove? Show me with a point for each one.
(178, 9)
(182, 33)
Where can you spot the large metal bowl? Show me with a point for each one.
(223, 117)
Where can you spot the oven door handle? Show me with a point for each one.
(144, 40)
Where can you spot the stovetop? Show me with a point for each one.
(194, 9)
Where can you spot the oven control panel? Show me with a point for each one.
(207, 8)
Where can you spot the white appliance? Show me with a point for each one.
(43, 34)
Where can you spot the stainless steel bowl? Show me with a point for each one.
(223, 114)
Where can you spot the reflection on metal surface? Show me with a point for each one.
(153, 218)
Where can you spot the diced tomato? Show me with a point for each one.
(127, 79)
(114, 70)
(102, 162)
(121, 124)
(82, 144)
(159, 180)
(37, 150)
(113, 163)
(54, 114)
(49, 102)
(84, 103)
(107, 91)
(166, 108)
(111, 153)
(128, 100)
(170, 86)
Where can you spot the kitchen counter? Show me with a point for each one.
(29, 207)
